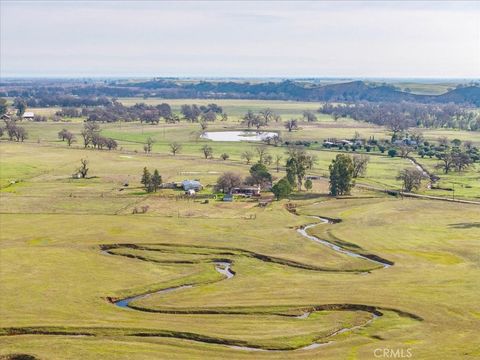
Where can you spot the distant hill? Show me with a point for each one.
(290, 90)
(51, 93)
(469, 94)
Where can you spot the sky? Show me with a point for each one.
(357, 39)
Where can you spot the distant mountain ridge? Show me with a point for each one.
(291, 90)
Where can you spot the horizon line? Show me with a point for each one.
(336, 77)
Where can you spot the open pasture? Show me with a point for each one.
(70, 248)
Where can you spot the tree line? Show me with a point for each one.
(399, 116)
(73, 93)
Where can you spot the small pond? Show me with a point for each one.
(236, 135)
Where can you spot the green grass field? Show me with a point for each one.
(131, 138)
(69, 247)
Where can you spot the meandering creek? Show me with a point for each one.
(221, 266)
(303, 231)
(224, 268)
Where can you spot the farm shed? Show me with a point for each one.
(191, 185)
(28, 115)
(247, 190)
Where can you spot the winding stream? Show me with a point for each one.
(303, 231)
(222, 267)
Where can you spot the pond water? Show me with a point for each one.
(236, 135)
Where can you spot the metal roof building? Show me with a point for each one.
(191, 185)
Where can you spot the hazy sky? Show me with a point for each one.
(250, 38)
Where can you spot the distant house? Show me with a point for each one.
(340, 143)
(247, 190)
(28, 115)
(405, 142)
(5, 117)
(191, 185)
(170, 185)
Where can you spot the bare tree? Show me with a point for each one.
(447, 162)
(203, 125)
(207, 151)
(209, 116)
(267, 115)
(405, 150)
(175, 148)
(89, 133)
(291, 124)
(83, 169)
(228, 181)
(309, 116)
(250, 119)
(247, 155)
(14, 131)
(111, 144)
(360, 163)
(461, 160)
(411, 179)
(262, 151)
(396, 122)
(416, 135)
(70, 138)
(21, 134)
(61, 134)
(148, 145)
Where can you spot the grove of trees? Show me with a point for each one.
(399, 116)
(151, 183)
(341, 175)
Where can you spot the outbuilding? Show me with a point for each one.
(191, 185)
(247, 190)
(28, 115)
